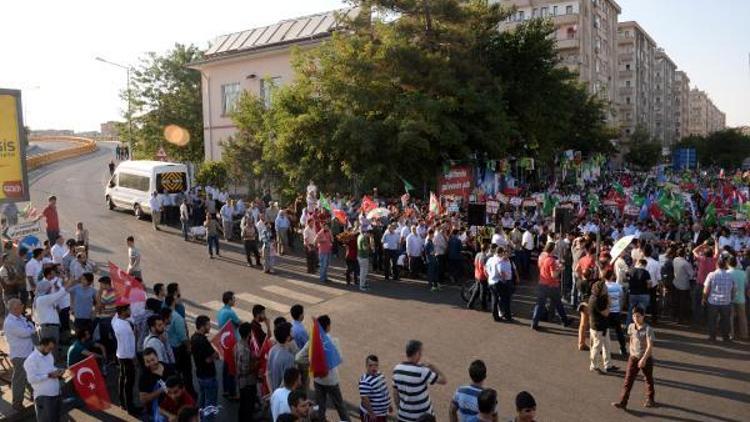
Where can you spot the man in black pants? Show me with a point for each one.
(125, 335)
(246, 366)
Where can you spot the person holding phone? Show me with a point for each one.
(45, 378)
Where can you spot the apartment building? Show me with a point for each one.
(636, 78)
(705, 117)
(586, 34)
(664, 101)
(681, 93)
(257, 61)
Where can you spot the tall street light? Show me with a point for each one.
(130, 111)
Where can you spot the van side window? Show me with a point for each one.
(132, 181)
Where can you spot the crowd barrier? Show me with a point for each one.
(85, 146)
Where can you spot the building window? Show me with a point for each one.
(568, 10)
(627, 100)
(521, 15)
(571, 32)
(627, 67)
(230, 93)
(627, 84)
(544, 12)
(267, 87)
(534, 12)
(554, 10)
(596, 21)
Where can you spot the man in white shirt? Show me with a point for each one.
(527, 246)
(134, 258)
(45, 307)
(494, 271)
(45, 378)
(154, 203)
(58, 250)
(311, 251)
(391, 246)
(156, 339)
(281, 224)
(227, 219)
(185, 218)
(279, 404)
(414, 249)
(19, 333)
(125, 335)
(33, 269)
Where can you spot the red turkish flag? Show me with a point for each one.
(128, 289)
(90, 384)
(224, 342)
(368, 204)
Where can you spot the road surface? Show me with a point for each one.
(695, 381)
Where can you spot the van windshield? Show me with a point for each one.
(171, 182)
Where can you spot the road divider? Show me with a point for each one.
(84, 146)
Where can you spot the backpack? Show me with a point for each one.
(667, 273)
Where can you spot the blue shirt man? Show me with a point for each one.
(465, 403)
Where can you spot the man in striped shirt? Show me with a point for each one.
(376, 402)
(465, 404)
(410, 382)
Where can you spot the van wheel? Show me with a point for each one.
(110, 204)
(138, 212)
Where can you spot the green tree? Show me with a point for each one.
(725, 148)
(386, 97)
(166, 92)
(643, 151)
(551, 111)
(213, 173)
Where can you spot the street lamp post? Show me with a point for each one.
(130, 111)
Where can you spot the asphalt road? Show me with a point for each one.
(695, 381)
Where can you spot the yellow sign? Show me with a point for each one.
(14, 185)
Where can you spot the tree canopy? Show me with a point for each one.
(406, 86)
(726, 148)
(165, 91)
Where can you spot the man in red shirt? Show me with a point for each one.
(50, 215)
(549, 286)
(176, 398)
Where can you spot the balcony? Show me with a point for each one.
(625, 74)
(625, 57)
(625, 90)
(565, 19)
(568, 44)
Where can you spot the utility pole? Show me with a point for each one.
(130, 110)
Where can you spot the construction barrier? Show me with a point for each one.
(85, 146)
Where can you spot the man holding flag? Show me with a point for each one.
(321, 352)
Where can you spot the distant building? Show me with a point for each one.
(745, 130)
(682, 105)
(665, 101)
(586, 35)
(109, 130)
(53, 132)
(257, 61)
(636, 78)
(705, 117)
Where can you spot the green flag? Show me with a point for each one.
(709, 216)
(324, 203)
(593, 203)
(549, 205)
(618, 188)
(407, 186)
(638, 200)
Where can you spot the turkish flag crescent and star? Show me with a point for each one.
(224, 342)
(90, 384)
(128, 289)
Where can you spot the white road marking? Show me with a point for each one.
(281, 291)
(313, 286)
(250, 298)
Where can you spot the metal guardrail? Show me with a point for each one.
(85, 146)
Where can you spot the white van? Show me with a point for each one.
(133, 182)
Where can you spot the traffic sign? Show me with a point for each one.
(161, 155)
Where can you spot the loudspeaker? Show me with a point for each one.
(477, 214)
(563, 220)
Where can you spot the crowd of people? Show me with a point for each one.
(606, 266)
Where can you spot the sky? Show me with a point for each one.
(48, 48)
